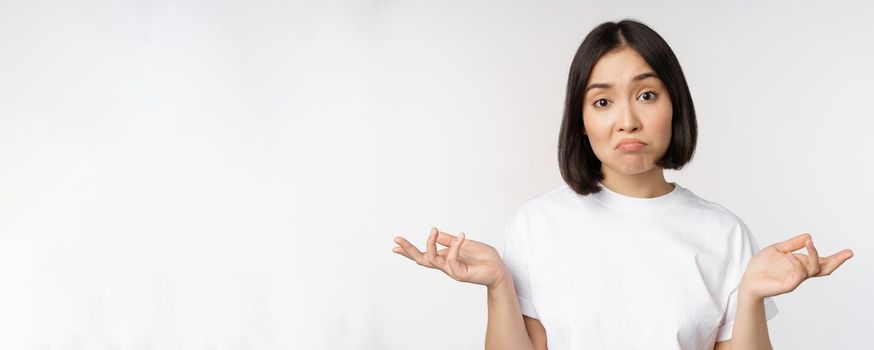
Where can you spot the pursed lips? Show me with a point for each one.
(630, 143)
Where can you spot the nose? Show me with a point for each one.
(628, 120)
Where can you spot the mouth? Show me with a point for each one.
(630, 145)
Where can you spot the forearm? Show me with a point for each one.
(506, 328)
(750, 329)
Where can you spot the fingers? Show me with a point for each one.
(793, 244)
(812, 262)
(831, 263)
(452, 257)
(435, 259)
(430, 258)
(406, 249)
(444, 238)
(412, 252)
(432, 245)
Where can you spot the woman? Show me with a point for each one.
(619, 258)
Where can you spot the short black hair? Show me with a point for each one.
(580, 168)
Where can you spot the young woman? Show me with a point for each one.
(617, 257)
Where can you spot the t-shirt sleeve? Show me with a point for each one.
(515, 256)
(748, 248)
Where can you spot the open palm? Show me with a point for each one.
(777, 270)
(463, 260)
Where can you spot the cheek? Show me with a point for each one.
(663, 126)
(598, 132)
(600, 142)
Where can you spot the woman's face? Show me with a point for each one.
(625, 100)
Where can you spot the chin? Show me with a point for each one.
(633, 169)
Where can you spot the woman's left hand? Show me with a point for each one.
(777, 270)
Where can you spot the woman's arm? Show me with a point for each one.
(773, 271)
(506, 328)
(750, 329)
(475, 262)
(536, 332)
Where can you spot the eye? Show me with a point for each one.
(602, 102)
(650, 94)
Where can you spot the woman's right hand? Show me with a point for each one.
(464, 260)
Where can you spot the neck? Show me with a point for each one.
(647, 184)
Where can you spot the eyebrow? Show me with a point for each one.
(638, 77)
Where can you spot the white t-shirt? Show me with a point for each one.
(608, 271)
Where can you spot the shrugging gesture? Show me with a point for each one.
(777, 270)
(464, 260)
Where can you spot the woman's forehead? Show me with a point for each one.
(619, 66)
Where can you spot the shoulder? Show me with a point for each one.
(555, 198)
(721, 223)
(541, 207)
(711, 212)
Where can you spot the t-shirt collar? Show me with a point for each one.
(625, 203)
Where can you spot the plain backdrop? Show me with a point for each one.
(230, 174)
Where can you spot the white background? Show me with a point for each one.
(230, 174)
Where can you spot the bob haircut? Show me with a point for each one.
(579, 166)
